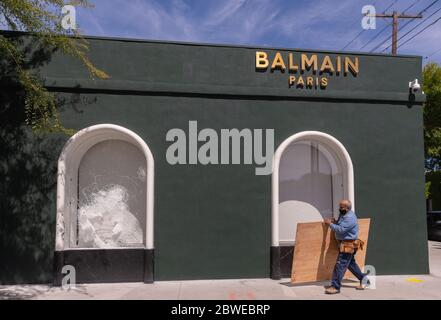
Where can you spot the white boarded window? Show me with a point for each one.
(310, 186)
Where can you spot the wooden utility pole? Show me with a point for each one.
(395, 16)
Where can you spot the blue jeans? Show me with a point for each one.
(345, 261)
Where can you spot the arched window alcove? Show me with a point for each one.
(105, 190)
(312, 172)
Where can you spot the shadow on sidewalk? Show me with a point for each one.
(345, 283)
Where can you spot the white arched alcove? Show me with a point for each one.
(333, 155)
(69, 164)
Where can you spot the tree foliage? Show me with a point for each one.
(42, 19)
(432, 115)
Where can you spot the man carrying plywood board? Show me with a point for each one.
(346, 232)
(317, 249)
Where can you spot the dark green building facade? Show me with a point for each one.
(215, 221)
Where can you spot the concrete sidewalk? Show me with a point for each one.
(387, 287)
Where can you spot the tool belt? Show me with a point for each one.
(349, 246)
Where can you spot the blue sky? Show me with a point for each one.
(314, 24)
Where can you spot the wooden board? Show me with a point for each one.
(316, 250)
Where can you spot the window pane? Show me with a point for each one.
(307, 189)
(111, 197)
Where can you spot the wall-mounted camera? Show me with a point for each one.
(414, 86)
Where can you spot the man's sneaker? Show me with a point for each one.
(362, 285)
(332, 290)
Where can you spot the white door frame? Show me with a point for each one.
(343, 157)
(67, 180)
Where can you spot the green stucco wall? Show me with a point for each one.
(214, 221)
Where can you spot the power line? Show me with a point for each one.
(433, 53)
(421, 12)
(394, 23)
(395, 16)
(359, 34)
(375, 37)
(390, 6)
(411, 6)
(420, 23)
(428, 26)
(382, 30)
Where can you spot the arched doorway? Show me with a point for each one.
(312, 172)
(105, 206)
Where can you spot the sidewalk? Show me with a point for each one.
(387, 287)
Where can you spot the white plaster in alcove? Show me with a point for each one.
(67, 181)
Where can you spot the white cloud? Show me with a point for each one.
(319, 24)
(221, 13)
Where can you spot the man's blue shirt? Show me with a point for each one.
(346, 228)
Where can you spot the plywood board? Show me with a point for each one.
(316, 250)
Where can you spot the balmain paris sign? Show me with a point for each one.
(307, 71)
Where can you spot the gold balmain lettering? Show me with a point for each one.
(308, 70)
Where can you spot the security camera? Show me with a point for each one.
(414, 86)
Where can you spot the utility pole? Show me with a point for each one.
(395, 16)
